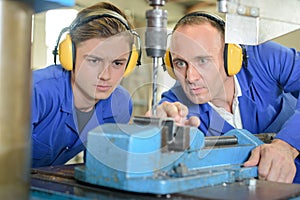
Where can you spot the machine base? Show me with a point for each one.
(58, 182)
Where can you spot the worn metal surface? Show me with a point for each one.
(58, 183)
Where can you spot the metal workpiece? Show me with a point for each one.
(173, 137)
(15, 90)
(254, 22)
(180, 141)
(167, 123)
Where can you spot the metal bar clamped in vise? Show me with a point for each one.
(174, 138)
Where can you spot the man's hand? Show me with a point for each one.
(275, 161)
(178, 112)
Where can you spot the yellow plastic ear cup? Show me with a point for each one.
(65, 53)
(168, 63)
(234, 60)
(133, 58)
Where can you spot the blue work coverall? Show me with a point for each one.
(270, 101)
(55, 136)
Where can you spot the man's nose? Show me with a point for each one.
(104, 73)
(192, 73)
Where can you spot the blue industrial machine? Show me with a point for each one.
(44, 5)
(156, 156)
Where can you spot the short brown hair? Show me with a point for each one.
(99, 27)
(198, 18)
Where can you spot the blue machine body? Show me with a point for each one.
(44, 5)
(139, 159)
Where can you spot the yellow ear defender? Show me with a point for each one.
(168, 64)
(67, 51)
(132, 61)
(234, 54)
(233, 59)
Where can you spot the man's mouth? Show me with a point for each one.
(197, 90)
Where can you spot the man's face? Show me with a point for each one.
(100, 65)
(197, 57)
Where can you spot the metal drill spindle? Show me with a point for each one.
(156, 42)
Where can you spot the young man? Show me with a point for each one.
(83, 91)
(215, 85)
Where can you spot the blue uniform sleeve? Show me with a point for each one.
(281, 66)
(168, 96)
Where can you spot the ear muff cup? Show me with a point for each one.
(168, 63)
(65, 53)
(132, 61)
(233, 60)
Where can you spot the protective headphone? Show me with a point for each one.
(67, 51)
(234, 54)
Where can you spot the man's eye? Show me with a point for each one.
(179, 63)
(202, 61)
(93, 60)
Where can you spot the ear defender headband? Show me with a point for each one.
(66, 49)
(234, 54)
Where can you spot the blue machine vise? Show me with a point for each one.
(156, 156)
